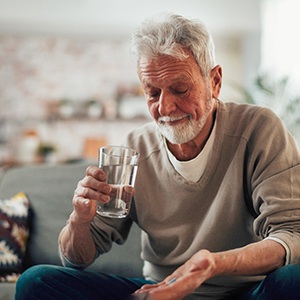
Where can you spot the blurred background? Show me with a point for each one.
(68, 83)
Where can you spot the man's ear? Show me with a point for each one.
(216, 81)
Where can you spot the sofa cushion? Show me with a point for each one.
(14, 233)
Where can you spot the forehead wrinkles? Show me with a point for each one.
(164, 70)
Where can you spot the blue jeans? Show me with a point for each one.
(46, 282)
(281, 284)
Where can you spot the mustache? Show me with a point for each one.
(169, 119)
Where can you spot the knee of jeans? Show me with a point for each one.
(33, 273)
(287, 275)
(31, 279)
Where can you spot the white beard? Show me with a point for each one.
(182, 133)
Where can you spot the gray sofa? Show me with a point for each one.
(50, 190)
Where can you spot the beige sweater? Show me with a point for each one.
(250, 190)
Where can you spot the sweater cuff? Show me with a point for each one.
(67, 263)
(285, 246)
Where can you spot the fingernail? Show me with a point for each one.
(102, 176)
(107, 189)
(105, 198)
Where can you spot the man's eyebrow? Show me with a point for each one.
(181, 78)
(148, 85)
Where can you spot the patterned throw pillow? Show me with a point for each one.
(14, 233)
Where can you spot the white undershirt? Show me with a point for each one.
(193, 169)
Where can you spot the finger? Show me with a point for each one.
(95, 184)
(170, 288)
(93, 189)
(96, 172)
(147, 287)
(157, 294)
(166, 292)
(84, 210)
(81, 203)
(83, 206)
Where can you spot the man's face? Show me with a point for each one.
(178, 97)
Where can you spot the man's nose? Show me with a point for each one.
(167, 104)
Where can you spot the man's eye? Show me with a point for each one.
(180, 92)
(153, 95)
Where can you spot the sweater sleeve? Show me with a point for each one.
(275, 181)
(107, 231)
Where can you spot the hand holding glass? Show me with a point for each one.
(120, 165)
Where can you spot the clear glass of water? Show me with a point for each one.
(120, 165)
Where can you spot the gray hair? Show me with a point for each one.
(171, 34)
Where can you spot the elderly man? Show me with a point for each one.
(217, 192)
